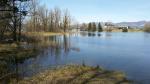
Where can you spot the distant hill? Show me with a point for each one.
(138, 24)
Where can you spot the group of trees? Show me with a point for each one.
(93, 27)
(12, 13)
(38, 18)
(44, 20)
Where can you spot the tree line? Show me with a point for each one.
(92, 27)
(44, 20)
(17, 16)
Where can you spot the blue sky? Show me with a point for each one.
(104, 10)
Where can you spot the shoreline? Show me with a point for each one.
(77, 74)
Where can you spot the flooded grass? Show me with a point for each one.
(13, 50)
(10, 56)
(76, 74)
(16, 53)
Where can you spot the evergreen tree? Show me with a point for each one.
(100, 29)
(90, 26)
(93, 26)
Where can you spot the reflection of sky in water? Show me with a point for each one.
(128, 52)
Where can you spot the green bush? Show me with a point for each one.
(124, 30)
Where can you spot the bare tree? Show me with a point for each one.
(33, 16)
(66, 20)
(57, 19)
(51, 21)
(43, 15)
(84, 26)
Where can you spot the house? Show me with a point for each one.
(111, 26)
(122, 27)
(108, 26)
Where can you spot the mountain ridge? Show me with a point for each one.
(138, 24)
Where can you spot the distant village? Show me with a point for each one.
(112, 27)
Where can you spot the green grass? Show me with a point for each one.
(76, 74)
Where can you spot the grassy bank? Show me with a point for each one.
(46, 33)
(75, 74)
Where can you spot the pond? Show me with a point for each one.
(127, 52)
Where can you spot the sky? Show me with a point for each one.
(104, 10)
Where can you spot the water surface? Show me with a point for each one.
(127, 52)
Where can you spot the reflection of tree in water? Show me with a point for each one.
(66, 44)
(98, 34)
(58, 46)
(9, 64)
(83, 34)
(91, 34)
(146, 35)
(108, 34)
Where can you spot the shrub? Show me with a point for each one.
(147, 27)
(124, 30)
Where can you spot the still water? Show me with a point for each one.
(127, 52)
